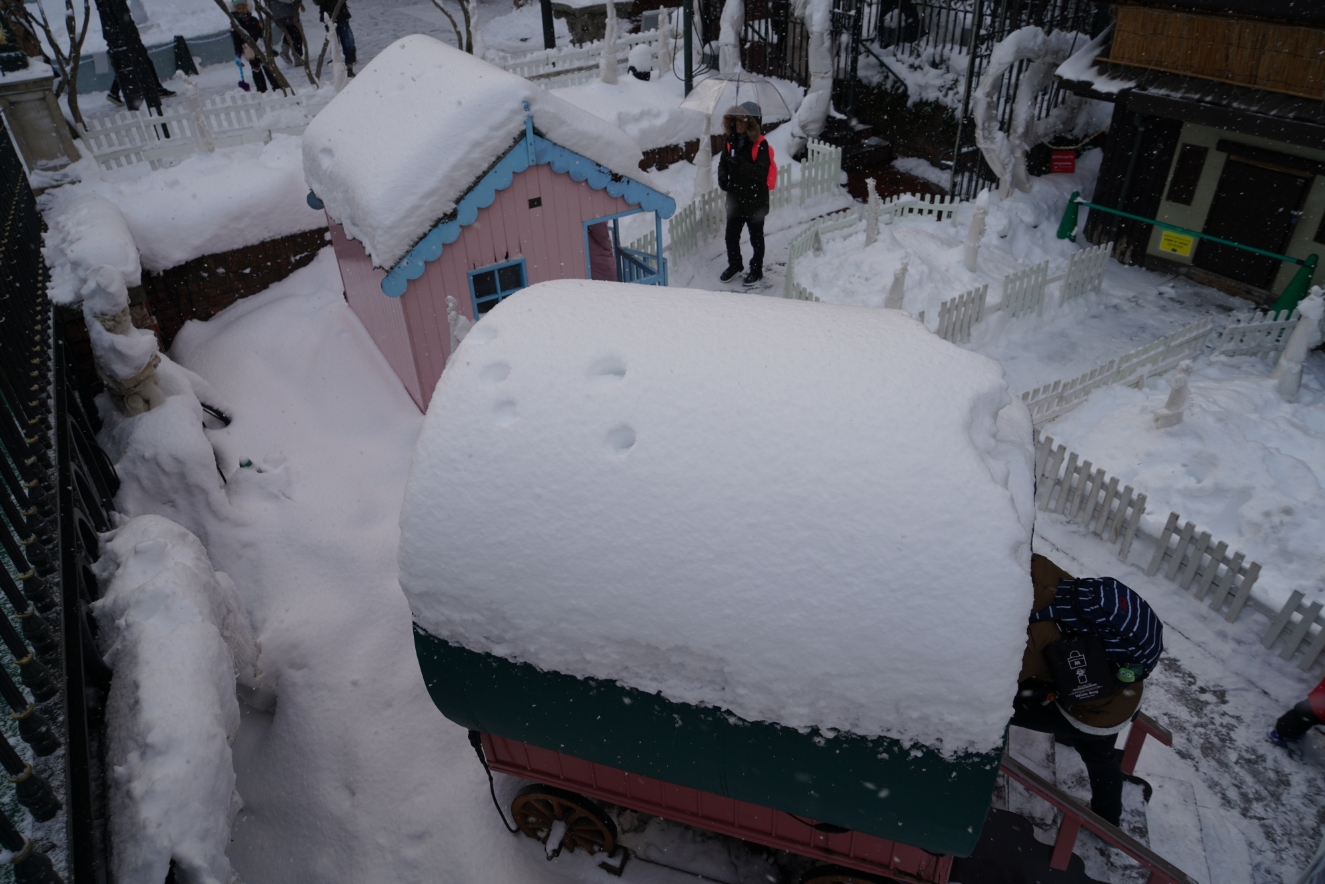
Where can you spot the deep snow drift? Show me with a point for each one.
(724, 498)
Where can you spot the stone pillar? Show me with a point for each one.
(33, 117)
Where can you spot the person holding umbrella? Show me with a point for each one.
(746, 172)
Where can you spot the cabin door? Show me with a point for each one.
(1256, 206)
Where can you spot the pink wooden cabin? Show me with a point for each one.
(541, 211)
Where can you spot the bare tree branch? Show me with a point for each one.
(459, 41)
(278, 79)
(331, 26)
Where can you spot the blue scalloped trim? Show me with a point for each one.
(562, 161)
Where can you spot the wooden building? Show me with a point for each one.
(1218, 127)
(496, 187)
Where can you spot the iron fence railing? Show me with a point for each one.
(958, 34)
(56, 491)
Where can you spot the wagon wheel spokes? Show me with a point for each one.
(537, 807)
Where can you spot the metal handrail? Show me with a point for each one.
(1077, 815)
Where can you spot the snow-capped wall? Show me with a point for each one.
(801, 513)
(394, 152)
(177, 637)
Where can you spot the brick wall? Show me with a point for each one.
(198, 289)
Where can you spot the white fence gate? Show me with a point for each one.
(1085, 271)
(1023, 291)
(1258, 333)
(957, 315)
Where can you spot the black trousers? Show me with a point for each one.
(1103, 761)
(1294, 723)
(756, 224)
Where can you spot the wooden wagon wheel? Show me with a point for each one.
(840, 875)
(537, 807)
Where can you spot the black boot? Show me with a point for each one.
(753, 276)
(731, 271)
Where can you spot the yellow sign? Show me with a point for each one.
(1176, 243)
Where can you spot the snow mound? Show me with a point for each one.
(85, 230)
(177, 636)
(393, 153)
(802, 513)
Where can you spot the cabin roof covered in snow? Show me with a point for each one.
(395, 151)
(802, 513)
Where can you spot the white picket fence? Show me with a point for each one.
(1068, 486)
(957, 315)
(1191, 558)
(570, 65)
(811, 240)
(1302, 628)
(1079, 491)
(1051, 400)
(1085, 272)
(1024, 292)
(941, 208)
(706, 216)
(1257, 333)
(231, 119)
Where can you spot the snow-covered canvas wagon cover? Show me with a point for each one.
(804, 514)
(394, 152)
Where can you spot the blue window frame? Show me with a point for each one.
(488, 285)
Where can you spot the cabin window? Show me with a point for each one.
(490, 284)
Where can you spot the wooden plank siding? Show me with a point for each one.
(380, 315)
(1265, 55)
(550, 239)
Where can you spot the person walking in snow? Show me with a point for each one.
(286, 15)
(337, 12)
(744, 173)
(1294, 724)
(249, 22)
(1090, 727)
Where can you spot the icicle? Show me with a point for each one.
(871, 213)
(704, 161)
(607, 67)
(666, 37)
(976, 232)
(897, 293)
(1305, 335)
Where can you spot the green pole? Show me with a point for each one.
(1297, 289)
(1165, 225)
(1067, 228)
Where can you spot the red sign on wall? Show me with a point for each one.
(1062, 161)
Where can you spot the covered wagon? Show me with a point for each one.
(755, 565)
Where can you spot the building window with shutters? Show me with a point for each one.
(489, 285)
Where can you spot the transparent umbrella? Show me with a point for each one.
(720, 93)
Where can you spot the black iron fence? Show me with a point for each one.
(957, 35)
(56, 491)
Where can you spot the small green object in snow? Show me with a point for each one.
(1067, 228)
(245, 464)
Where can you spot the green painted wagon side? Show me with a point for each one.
(875, 785)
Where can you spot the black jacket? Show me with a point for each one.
(325, 9)
(743, 173)
(249, 22)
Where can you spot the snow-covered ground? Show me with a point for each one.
(346, 770)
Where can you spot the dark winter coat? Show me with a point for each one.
(1104, 712)
(249, 22)
(325, 9)
(743, 174)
